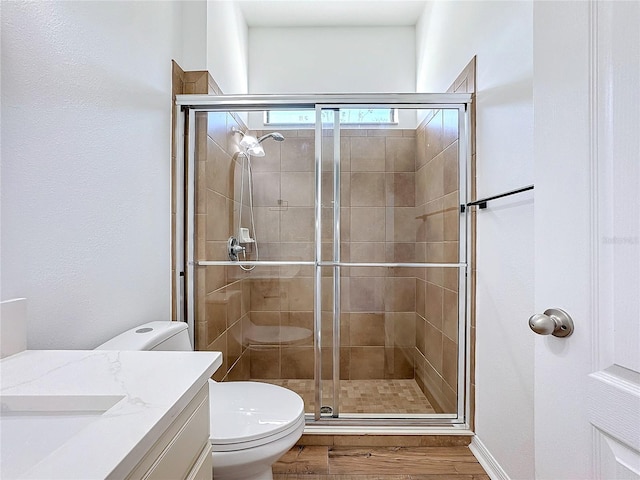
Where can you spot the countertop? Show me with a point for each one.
(98, 411)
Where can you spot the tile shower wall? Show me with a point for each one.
(437, 237)
(222, 294)
(377, 225)
(399, 203)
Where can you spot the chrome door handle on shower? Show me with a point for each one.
(553, 321)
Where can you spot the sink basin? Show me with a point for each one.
(33, 426)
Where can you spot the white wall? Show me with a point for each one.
(227, 46)
(86, 95)
(500, 34)
(194, 35)
(332, 60)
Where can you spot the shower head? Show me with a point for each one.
(251, 144)
(277, 136)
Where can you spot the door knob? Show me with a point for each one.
(553, 321)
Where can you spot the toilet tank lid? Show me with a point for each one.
(144, 337)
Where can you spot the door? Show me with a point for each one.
(390, 312)
(587, 221)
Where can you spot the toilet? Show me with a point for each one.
(252, 424)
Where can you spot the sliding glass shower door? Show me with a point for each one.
(350, 281)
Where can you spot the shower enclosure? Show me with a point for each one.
(348, 275)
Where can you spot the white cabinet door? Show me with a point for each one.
(587, 232)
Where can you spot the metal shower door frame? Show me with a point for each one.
(186, 108)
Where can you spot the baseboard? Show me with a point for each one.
(488, 462)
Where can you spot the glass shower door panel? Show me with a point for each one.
(400, 342)
(328, 250)
(402, 206)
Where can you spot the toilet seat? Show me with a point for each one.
(249, 414)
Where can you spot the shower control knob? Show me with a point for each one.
(553, 321)
(234, 249)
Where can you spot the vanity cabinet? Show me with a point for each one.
(184, 450)
(106, 414)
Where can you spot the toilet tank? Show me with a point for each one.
(152, 336)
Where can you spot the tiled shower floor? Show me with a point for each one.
(364, 396)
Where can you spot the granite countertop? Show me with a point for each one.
(75, 414)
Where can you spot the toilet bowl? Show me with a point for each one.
(252, 424)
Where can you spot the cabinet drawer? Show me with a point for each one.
(203, 469)
(175, 453)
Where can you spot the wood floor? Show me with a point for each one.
(381, 463)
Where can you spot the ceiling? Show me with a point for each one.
(321, 13)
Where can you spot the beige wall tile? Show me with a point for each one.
(420, 334)
(298, 154)
(399, 363)
(421, 147)
(345, 224)
(267, 224)
(265, 294)
(367, 189)
(234, 343)
(200, 187)
(420, 213)
(450, 398)
(451, 217)
(450, 320)
(451, 278)
(366, 294)
(435, 254)
(266, 189)
(401, 224)
(265, 362)
(217, 128)
(215, 315)
(270, 162)
(433, 347)
(367, 252)
(402, 327)
(367, 329)
(214, 277)
(366, 363)
(298, 189)
(400, 294)
(297, 224)
(450, 126)
(435, 178)
(219, 209)
(400, 252)
(435, 299)
(367, 224)
(421, 296)
(297, 362)
(450, 363)
(367, 154)
(299, 320)
(220, 345)
(433, 389)
(219, 170)
(434, 225)
(298, 294)
(434, 136)
(400, 189)
(328, 152)
(383, 132)
(400, 154)
(421, 185)
(450, 173)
